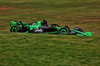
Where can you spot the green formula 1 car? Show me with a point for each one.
(43, 27)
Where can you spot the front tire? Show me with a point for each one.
(65, 31)
(54, 25)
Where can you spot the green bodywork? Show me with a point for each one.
(81, 33)
(35, 26)
(18, 23)
(24, 24)
(58, 28)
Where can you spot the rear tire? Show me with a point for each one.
(16, 28)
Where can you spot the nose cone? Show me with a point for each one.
(89, 33)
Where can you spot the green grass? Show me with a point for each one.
(52, 50)
(20, 49)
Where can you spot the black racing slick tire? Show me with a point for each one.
(65, 31)
(16, 28)
(54, 25)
